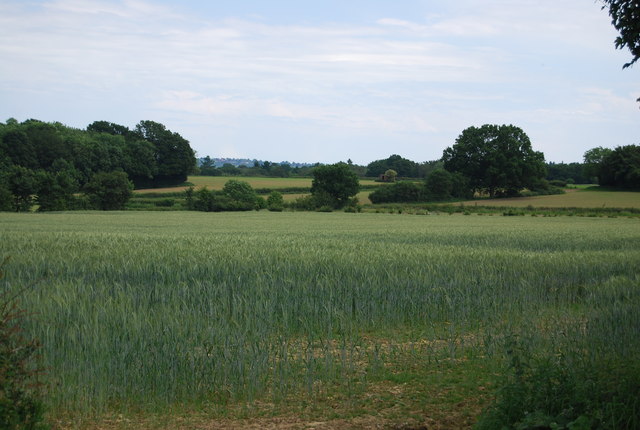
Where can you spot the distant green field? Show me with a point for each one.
(368, 320)
(217, 183)
(578, 198)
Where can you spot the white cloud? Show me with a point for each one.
(426, 76)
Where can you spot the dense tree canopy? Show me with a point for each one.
(109, 190)
(496, 159)
(593, 161)
(48, 162)
(621, 167)
(173, 155)
(567, 172)
(402, 167)
(150, 155)
(336, 182)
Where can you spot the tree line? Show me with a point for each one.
(62, 168)
(498, 161)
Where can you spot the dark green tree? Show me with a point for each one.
(109, 190)
(208, 168)
(398, 192)
(275, 201)
(109, 128)
(593, 159)
(621, 167)
(23, 185)
(568, 172)
(174, 156)
(56, 191)
(202, 200)
(404, 167)
(48, 141)
(241, 194)
(439, 185)
(496, 159)
(229, 169)
(444, 185)
(335, 183)
(139, 162)
(16, 145)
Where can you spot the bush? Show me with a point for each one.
(275, 202)
(334, 185)
(165, 203)
(243, 197)
(109, 191)
(21, 406)
(399, 192)
(558, 392)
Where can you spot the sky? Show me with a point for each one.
(324, 81)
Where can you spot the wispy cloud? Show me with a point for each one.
(424, 78)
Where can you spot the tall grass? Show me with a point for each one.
(149, 309)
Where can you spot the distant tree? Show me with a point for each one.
(208, 168)
(242, 195)
(621, 167)
(202, 200)
(391, 175)
(568, 172)
(109, 190)
(56, 191)
(444, 185)
(275, 202)
(109, 128)
(22, 183)
(282, 170)
(593, 159)
(19, 149)
(398, 192)
(334, 184)
(229, 169)
(138, 161)
(439, 185)
(174, 156)
(404, 167)
(425, 168)
(6, 198)
(496, 159)
(47, 141)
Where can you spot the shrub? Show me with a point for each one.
(243, 197)
(275, 202)
(399, 192)
(167, 203)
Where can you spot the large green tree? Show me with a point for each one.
(621, 167)
(109, 190)
(593, 159)
(496, 159)
(174, 156)
(334, 184)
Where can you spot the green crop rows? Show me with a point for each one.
(150, 309)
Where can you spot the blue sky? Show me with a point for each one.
(324, 80)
